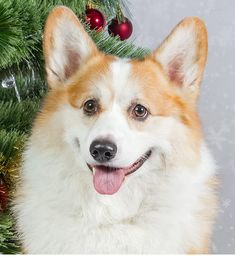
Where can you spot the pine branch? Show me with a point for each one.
(20, 32)
(18, 116)
(8, 238)
(9, 145)
(21, 26)
(29, 86)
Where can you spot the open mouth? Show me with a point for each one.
(108, 180)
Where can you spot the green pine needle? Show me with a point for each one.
(22, 23)
(18, 116)
(8, 237)
(8, 145)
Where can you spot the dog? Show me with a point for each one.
(116, 161)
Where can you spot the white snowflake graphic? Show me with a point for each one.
(217, 137)
(221, 211)
(231, 165)
(214, 248)
(226, 203)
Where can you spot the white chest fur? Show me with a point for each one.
(156, 212)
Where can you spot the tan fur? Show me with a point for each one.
(92, 71)
(210, 208)
(78, 89)
(164, 99)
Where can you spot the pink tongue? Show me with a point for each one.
(107, 181)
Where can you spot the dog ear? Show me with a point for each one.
(66, 45)
(183, 54)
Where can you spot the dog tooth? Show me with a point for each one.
(93, 170)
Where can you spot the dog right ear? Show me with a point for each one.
(183, 56)
(66, 45)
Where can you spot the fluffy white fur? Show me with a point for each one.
(158, 209)
(153, 212)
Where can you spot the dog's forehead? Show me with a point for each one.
(122, 84)
(135, 79)
(120, 70)
(122, 81)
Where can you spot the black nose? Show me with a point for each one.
(103, 150)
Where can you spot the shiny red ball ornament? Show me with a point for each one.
(123, 29)
(95, 19)
(3, 196)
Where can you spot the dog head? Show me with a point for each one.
(122, 117)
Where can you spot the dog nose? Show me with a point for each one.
(103, 150)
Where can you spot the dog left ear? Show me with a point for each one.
(183, 55)
(66, 45)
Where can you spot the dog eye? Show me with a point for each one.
(140, 112)
(90, 107)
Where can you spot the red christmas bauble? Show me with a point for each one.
(123, 29)
(95, 19)
(3, 196)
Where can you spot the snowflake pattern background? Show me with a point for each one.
(152, 21)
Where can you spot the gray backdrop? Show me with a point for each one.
(152, 21)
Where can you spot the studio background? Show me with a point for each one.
(152, 21)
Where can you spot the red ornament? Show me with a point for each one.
(95, 19)
(123, 29)
(3, 196)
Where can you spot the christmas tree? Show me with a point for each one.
(22, 78)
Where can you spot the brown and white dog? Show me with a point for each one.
(116, 162)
